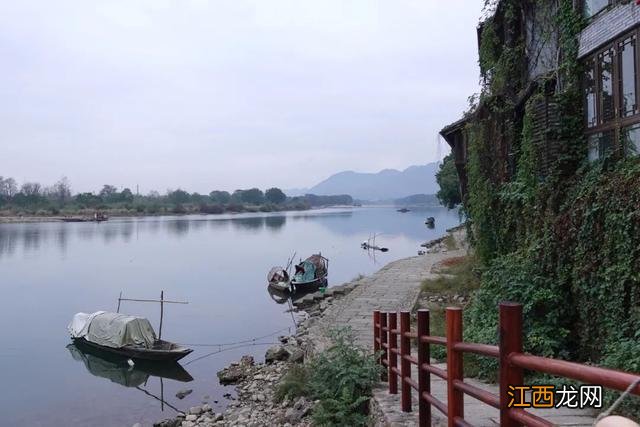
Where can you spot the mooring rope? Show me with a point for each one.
(250, 340)
(615, 404)
(221, 350)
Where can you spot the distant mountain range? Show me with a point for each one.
(384, 185)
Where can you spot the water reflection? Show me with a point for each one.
(178, 227)
(117, 370)
(249, 223)
(275, 223)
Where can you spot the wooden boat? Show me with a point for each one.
(122, 335)
(370, 244)
(97, 217)
(161, 351)
(311, 273)
(278, 279)
(404, 210)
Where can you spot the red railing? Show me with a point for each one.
(512, 363)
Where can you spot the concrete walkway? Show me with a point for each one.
(396, 287)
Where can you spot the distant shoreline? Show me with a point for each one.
(27, 219)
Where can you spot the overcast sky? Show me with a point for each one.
(231, 94)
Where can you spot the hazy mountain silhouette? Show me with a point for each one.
(386, 184)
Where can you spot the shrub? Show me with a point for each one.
(341, 378)
(295, 383)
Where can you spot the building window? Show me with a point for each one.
(590, 94)
(592, 7)
(612, 99)
(627, 57)
(605, 83)
(600, 145)
(631, 140)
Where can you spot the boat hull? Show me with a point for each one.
(313, 284)
(160, 355)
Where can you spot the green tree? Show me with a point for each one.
(222, 197)
(447, 178)
(252, 196)
(109, 193)
(126, 196)
(178, 197)
(275, 195)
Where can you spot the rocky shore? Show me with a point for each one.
(256, 382)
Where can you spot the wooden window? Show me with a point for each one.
(605, 84)
(600, 145)
(590, 94)
(612, 99)
(627, 65)
(631, 139)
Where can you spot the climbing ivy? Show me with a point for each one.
(567, 244)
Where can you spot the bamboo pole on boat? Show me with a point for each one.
(119, 299)
(161, 313)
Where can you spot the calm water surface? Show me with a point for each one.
(49, 271)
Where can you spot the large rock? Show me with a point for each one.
(275, 353)
(294, 353)
(236, 371)
(183, 393)
(171, 422)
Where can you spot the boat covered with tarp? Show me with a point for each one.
(124, 335)
(311, 273)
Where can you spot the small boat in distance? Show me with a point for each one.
(370, 244)
(430, 222)
(123, 335)
(404, 210)
(97, 217)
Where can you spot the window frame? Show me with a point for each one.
(618, 121)
(583, 8)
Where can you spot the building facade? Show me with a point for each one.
(609, 51)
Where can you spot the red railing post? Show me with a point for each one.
(393, 357)
(510, 336)
(383, 342)
(455, 398)
(424, 378)
(376, 334)
(405, 365)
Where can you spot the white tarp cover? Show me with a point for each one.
(112, 329)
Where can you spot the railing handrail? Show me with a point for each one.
(513, 362)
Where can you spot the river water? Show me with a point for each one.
(49, 271)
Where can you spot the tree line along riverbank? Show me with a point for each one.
(32, 201)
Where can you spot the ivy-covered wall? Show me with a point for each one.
(551, 231)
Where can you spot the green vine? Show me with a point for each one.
(564, 240)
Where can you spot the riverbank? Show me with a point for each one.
(21, 219)
(394, 287)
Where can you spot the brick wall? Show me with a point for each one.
(607, 26)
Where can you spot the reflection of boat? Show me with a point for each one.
(278, 296)
(127, 336)
(311, 273)
(404, 210)
(116, 369)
